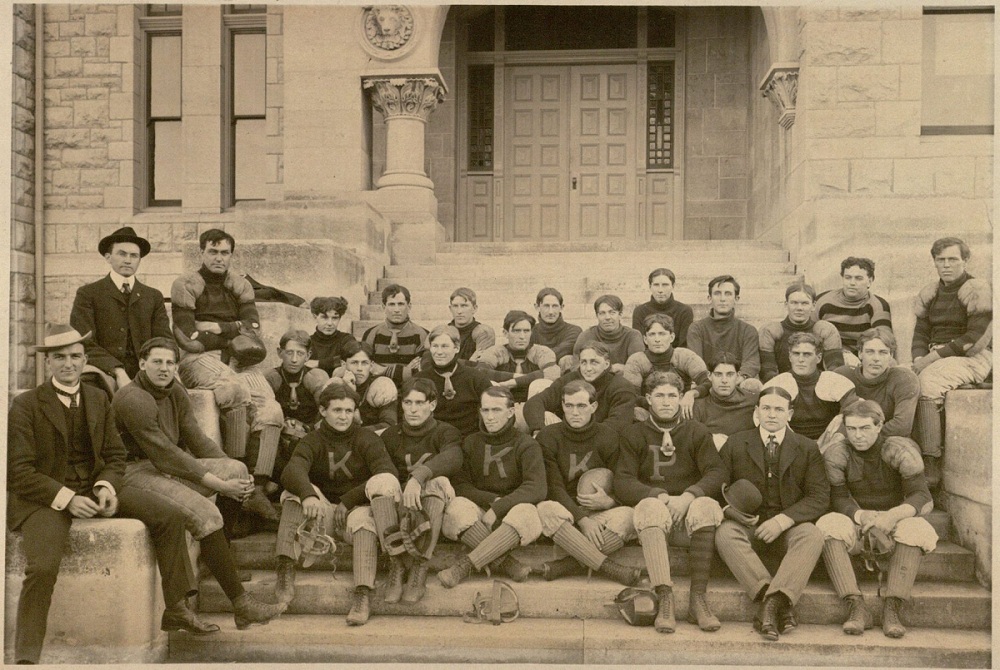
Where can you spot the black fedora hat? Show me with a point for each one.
(125, 234)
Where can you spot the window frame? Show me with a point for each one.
(160, 25)
(237, 23)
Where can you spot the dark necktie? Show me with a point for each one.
(72, 397)
(393, 341)
(772, 447)
(126, 289)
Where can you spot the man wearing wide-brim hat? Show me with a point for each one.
(119, 310)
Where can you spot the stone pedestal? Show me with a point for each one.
(416, 232)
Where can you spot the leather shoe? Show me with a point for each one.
(181, 617)
(787, 621)
(768, 617)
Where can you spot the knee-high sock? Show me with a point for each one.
(610, 542)
(838, 566)
(927, 427)
(903, 568)
(219, 559)
(654, 551)
(434, 509)
(700, 558)
(230, 510)
(499, 542)
(475, 534)
(267, 453)
(578, 546)
(386, 517)
(235, 431)
(365, 548)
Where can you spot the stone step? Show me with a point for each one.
(578, 287)
(580, 313)
(671, 246)
(636, 258)
(934, 604)
(413, 639)
(473, 272)
(696, 296)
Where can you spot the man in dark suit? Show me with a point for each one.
(121, 311)
(788, 471)
(66, 461)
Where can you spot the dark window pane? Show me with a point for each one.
(165, 141)
(659, 115)
(248, 74)
(250, 160)
(163, 10)
(534, 28)
(481, 117)
(481, 31)
(165, 76)
(659, 27)
(246, 9)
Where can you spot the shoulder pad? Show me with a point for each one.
(786, 381)
(240, 287)
(977, 296)
(923, 299)
(494, 356)
(770, 333)
(832, 387)
(541, 355)
(186, 290)
(835, 458)
(902, 455)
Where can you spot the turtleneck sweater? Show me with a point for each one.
(645, 471)
(727, 415)
(338, 463)
(818, 400)
(473, 337)
(559, 336)
(955, 317)
(874, 480)
(469, 382)
(774, 345)
(500, 362)
(158, 424)
(616, 400)
(569, 452)
(409, 345)
(500, 470)
(852, 317)
(622, 343)
(329, 351)
(225, 299)
(683, 361)
(681, 313)
(896, 391)
(432, 449)
(713, 335)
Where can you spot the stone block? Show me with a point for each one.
(954, 176)
(867, 82)
(121, 49)
(108, 575)
(702, 181)
(83, 46)
(715, 208)
(725, 143)
(730, 189)
(984, 177)
(104, 177)
(724, 55)
(726, 119)
(902, 41)
(835, 123)
(90, 113)
(696, 54)
(71, 29)
(85, 158)
(871, 176)
(119, 197)
(65, 181)
(206, 413)
(731, 94)
(827, 177)
(842, 43)
(913, 176)
(102, 69)
(897, 118)
(65, 67)
(700, 89)
(967, 462)
(101, 24)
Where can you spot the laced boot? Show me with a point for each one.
(358, 616)
(699, 613)
(182, 617)
(416, 583)
(620, 573)
(891, 624)
(561, 568)
(394, 589)
(665, 621)
(258, 504)
(858, 617)
(451, 577)
(768, 617)
(513, 568)
(248, 610)
(284, 585)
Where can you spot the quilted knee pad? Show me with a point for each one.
(383, 484)
(524, 519)
(704, 512)
(620, 521)
(916, 532)
(360, 518)
(651, 513)
(459, 515)
(836, 526)
(552, 515)
(439, 487)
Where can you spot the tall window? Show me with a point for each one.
(163, 158)
(660, 115)
(246, 104)
(480, 117)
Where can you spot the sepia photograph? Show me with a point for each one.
(537, 334)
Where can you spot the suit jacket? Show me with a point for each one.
(101, 307)
(38, 443)
(802, 482)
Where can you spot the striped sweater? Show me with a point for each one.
(852, 317)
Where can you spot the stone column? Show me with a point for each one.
(406, 102)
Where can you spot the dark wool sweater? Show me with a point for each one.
(569, 452)
(957, 316)
(158, 424)
(462, 411)
(501, 365)
(896, 391)
(889, 474)
(340, 464)
(473, 337)
(329, 350)
(682, 361)
(711, 336)
(433, 449)
(217, 302)
(774, 345)
(616, 400)
(852, 317)
(645, 472)
(411, 345)
(726, 415)
(311, 383)
(622, 343)
(559, 336)
(500, 470)
(681, 313)
(815, 407)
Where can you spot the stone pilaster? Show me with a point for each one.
(781, 87)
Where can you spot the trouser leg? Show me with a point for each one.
(44, 535)
(218, 557)
(734, 545)
(803, 545)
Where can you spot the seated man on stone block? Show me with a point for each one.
(459, 385)
(173, 462)
(552, 330)
(877, 486)
(620, 340)
(952, 342)
(726, 409)
(328, 346)
(378, 394)
(721, 331)
(660, 356)
(616, 398)
(669, 470)
(799, 301)
(501, 480)
(788, 470)
(580, 515)
(662, 301)
(426, 452)
(334, 470)
(853, 308)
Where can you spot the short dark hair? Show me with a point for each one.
(548, 290)
(352, 347)
(420, 385)
(775, 390)
(395, 289)
(724, 279)
(664, 320)
(598, 348)
(723, 358)
(662, 272)
(945, 242)
(661, 378)
(878, 333)
(866, 264)
(578, 385)
(797, 338)
(337, 392)
(865, 409)
(159, 343)
(516, 316)
(611, 300)
(800, 287)
(464, 292)
(320, 305)
(499, 392)
(300, 336)
(214, 236)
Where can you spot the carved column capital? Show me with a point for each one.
(781, 87)
(413, 97)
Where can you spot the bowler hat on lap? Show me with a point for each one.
(125, 234)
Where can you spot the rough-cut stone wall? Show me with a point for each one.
(274, 121)
(21, 367)
(717, 90)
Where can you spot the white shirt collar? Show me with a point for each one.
(118, 280)
(779, 436)
(72, 390)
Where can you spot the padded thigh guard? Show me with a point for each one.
(383, 484)
(552, 515)
(361, 518)
(836, 526)
(459, 516)
(439, 487)
(704, 512)
(652, 513)
(916, 531)
(524, 519)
